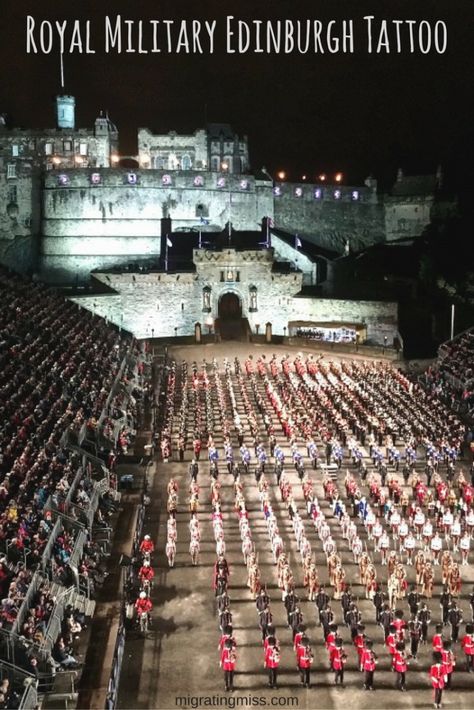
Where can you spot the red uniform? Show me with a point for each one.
(272, 657)
(197, 447)
(467, 644)
(399, 662)
(331, 641)
(143, 606)
(368, 660)
(147, 546)
(296, 642)
(228, 659)
(359, 641)
(146, 573)
(400, 626)
(437, 642)
(304, 657)
(438, 675)
(391, 642)
(337, 658)
(448, 661)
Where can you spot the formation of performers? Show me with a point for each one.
(345, 409)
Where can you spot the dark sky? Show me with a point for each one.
(359, 113)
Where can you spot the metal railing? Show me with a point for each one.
(19, 678)
(114, 680)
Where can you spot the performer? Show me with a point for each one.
(400, 665)
(448, 661)
(415, 632)
(227, 663)
(221, 574)
(438, 678)
(369, 662)
(304, 657)
(437, 641)
(272, 661)
(337, 660)
(467, 644)
(146, 546)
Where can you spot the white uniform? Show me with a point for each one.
(465, 545)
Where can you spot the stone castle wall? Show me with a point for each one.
(166, 305)
(113, 221)
(330, 215)
(19, 219)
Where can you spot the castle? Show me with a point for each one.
(68, 207)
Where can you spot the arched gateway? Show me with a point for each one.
(230, 306)
(230, 324)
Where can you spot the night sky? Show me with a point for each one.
(358, 113)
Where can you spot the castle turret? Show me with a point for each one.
(66, 111)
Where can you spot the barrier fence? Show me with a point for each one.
(21, 683)
(114, 680)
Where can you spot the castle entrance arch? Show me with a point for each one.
(230, 306)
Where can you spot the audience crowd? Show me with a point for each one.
(57, 365)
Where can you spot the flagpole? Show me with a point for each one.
(200, 237)
(166, 255)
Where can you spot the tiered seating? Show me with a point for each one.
(451, 377)
(57, 366)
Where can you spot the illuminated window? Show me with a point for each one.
(277, 191)
(186, 162)
(48, 148)
(318, 193)
(198, 181)
(96, 178)
(166, 179)
(298, 192)
(244, 184)
(132, 178)
(337, 194)
(11, 170)
(67, 145)
(355, 195)
(63, 180)
(82, 148)
(15, 151)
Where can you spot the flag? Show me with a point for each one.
(298, 243)
(169, 243)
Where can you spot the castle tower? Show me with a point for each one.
(66, 111)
